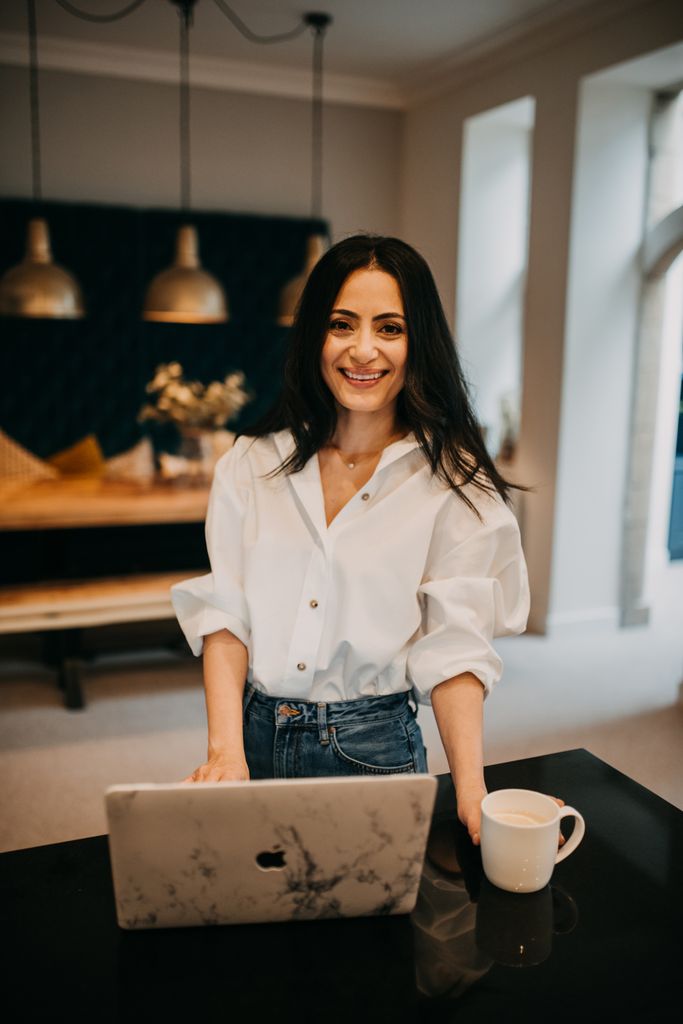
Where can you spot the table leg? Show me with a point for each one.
(62, 651)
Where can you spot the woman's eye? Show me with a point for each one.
(340, 325)
(392, 329)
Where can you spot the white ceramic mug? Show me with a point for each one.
(520, 832)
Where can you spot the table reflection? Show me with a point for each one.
(517, 929)
(463, 924)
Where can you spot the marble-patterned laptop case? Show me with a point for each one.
(276, 850)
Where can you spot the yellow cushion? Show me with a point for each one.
(84, 458)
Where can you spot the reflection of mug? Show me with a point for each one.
(517, 930)
(520, 832)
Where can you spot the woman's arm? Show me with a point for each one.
(225, 661)
(458, 709)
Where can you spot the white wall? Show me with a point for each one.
(492, 259)
(610, 182)
(116, 141)
(550, 71)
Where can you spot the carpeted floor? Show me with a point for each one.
(614, 692)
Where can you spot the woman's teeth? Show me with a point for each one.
(364, 376)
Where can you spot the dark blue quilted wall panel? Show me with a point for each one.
(62, 380)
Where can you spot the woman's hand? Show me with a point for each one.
(469, 798)
(220, 768)
(560, 803)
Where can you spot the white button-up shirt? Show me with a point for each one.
(404, 589)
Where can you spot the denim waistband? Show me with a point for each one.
(296, 712)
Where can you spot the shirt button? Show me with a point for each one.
(314, 603)
(365, 496)
(301, 666)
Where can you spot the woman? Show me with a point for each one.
(361, 547)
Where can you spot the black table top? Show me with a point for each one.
(601, 942)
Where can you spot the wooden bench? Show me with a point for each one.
(64, 608)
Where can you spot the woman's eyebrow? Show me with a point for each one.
(346, 312)
(389, 316)
(380, 316)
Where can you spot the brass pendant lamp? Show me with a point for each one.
(184, 293)
(315, 245)
(37, 287)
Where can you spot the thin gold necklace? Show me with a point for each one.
(352, 462)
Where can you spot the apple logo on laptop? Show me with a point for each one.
(271, 860)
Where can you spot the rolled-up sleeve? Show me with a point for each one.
(206, 604)
(475, 588)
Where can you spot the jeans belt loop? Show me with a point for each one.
(323, 734)
(248, 694)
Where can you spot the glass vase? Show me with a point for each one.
(196, 449)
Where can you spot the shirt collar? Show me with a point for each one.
(305, 484)
(397, 450)
(284, 442)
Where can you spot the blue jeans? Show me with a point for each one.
(286, 739)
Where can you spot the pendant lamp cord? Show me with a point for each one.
(316, 21)
(241, 27)
(35, 108)
(101, 18)
(185, 14)
(253, 37)
(317, 124)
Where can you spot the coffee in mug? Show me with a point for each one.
(520, 832)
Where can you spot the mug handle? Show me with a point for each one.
(576, 836)
(565, 911)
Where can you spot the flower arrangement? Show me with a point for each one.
(191, 404)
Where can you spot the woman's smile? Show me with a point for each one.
(363, 378)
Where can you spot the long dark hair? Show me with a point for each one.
(434, 402)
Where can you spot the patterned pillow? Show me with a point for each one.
(135, 464)
(18, 463)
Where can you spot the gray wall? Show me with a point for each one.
(116, 141)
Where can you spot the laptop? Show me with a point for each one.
(185, 854)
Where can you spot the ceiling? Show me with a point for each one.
(385, 41)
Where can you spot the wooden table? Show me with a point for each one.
(63, 607)
(93, 501)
